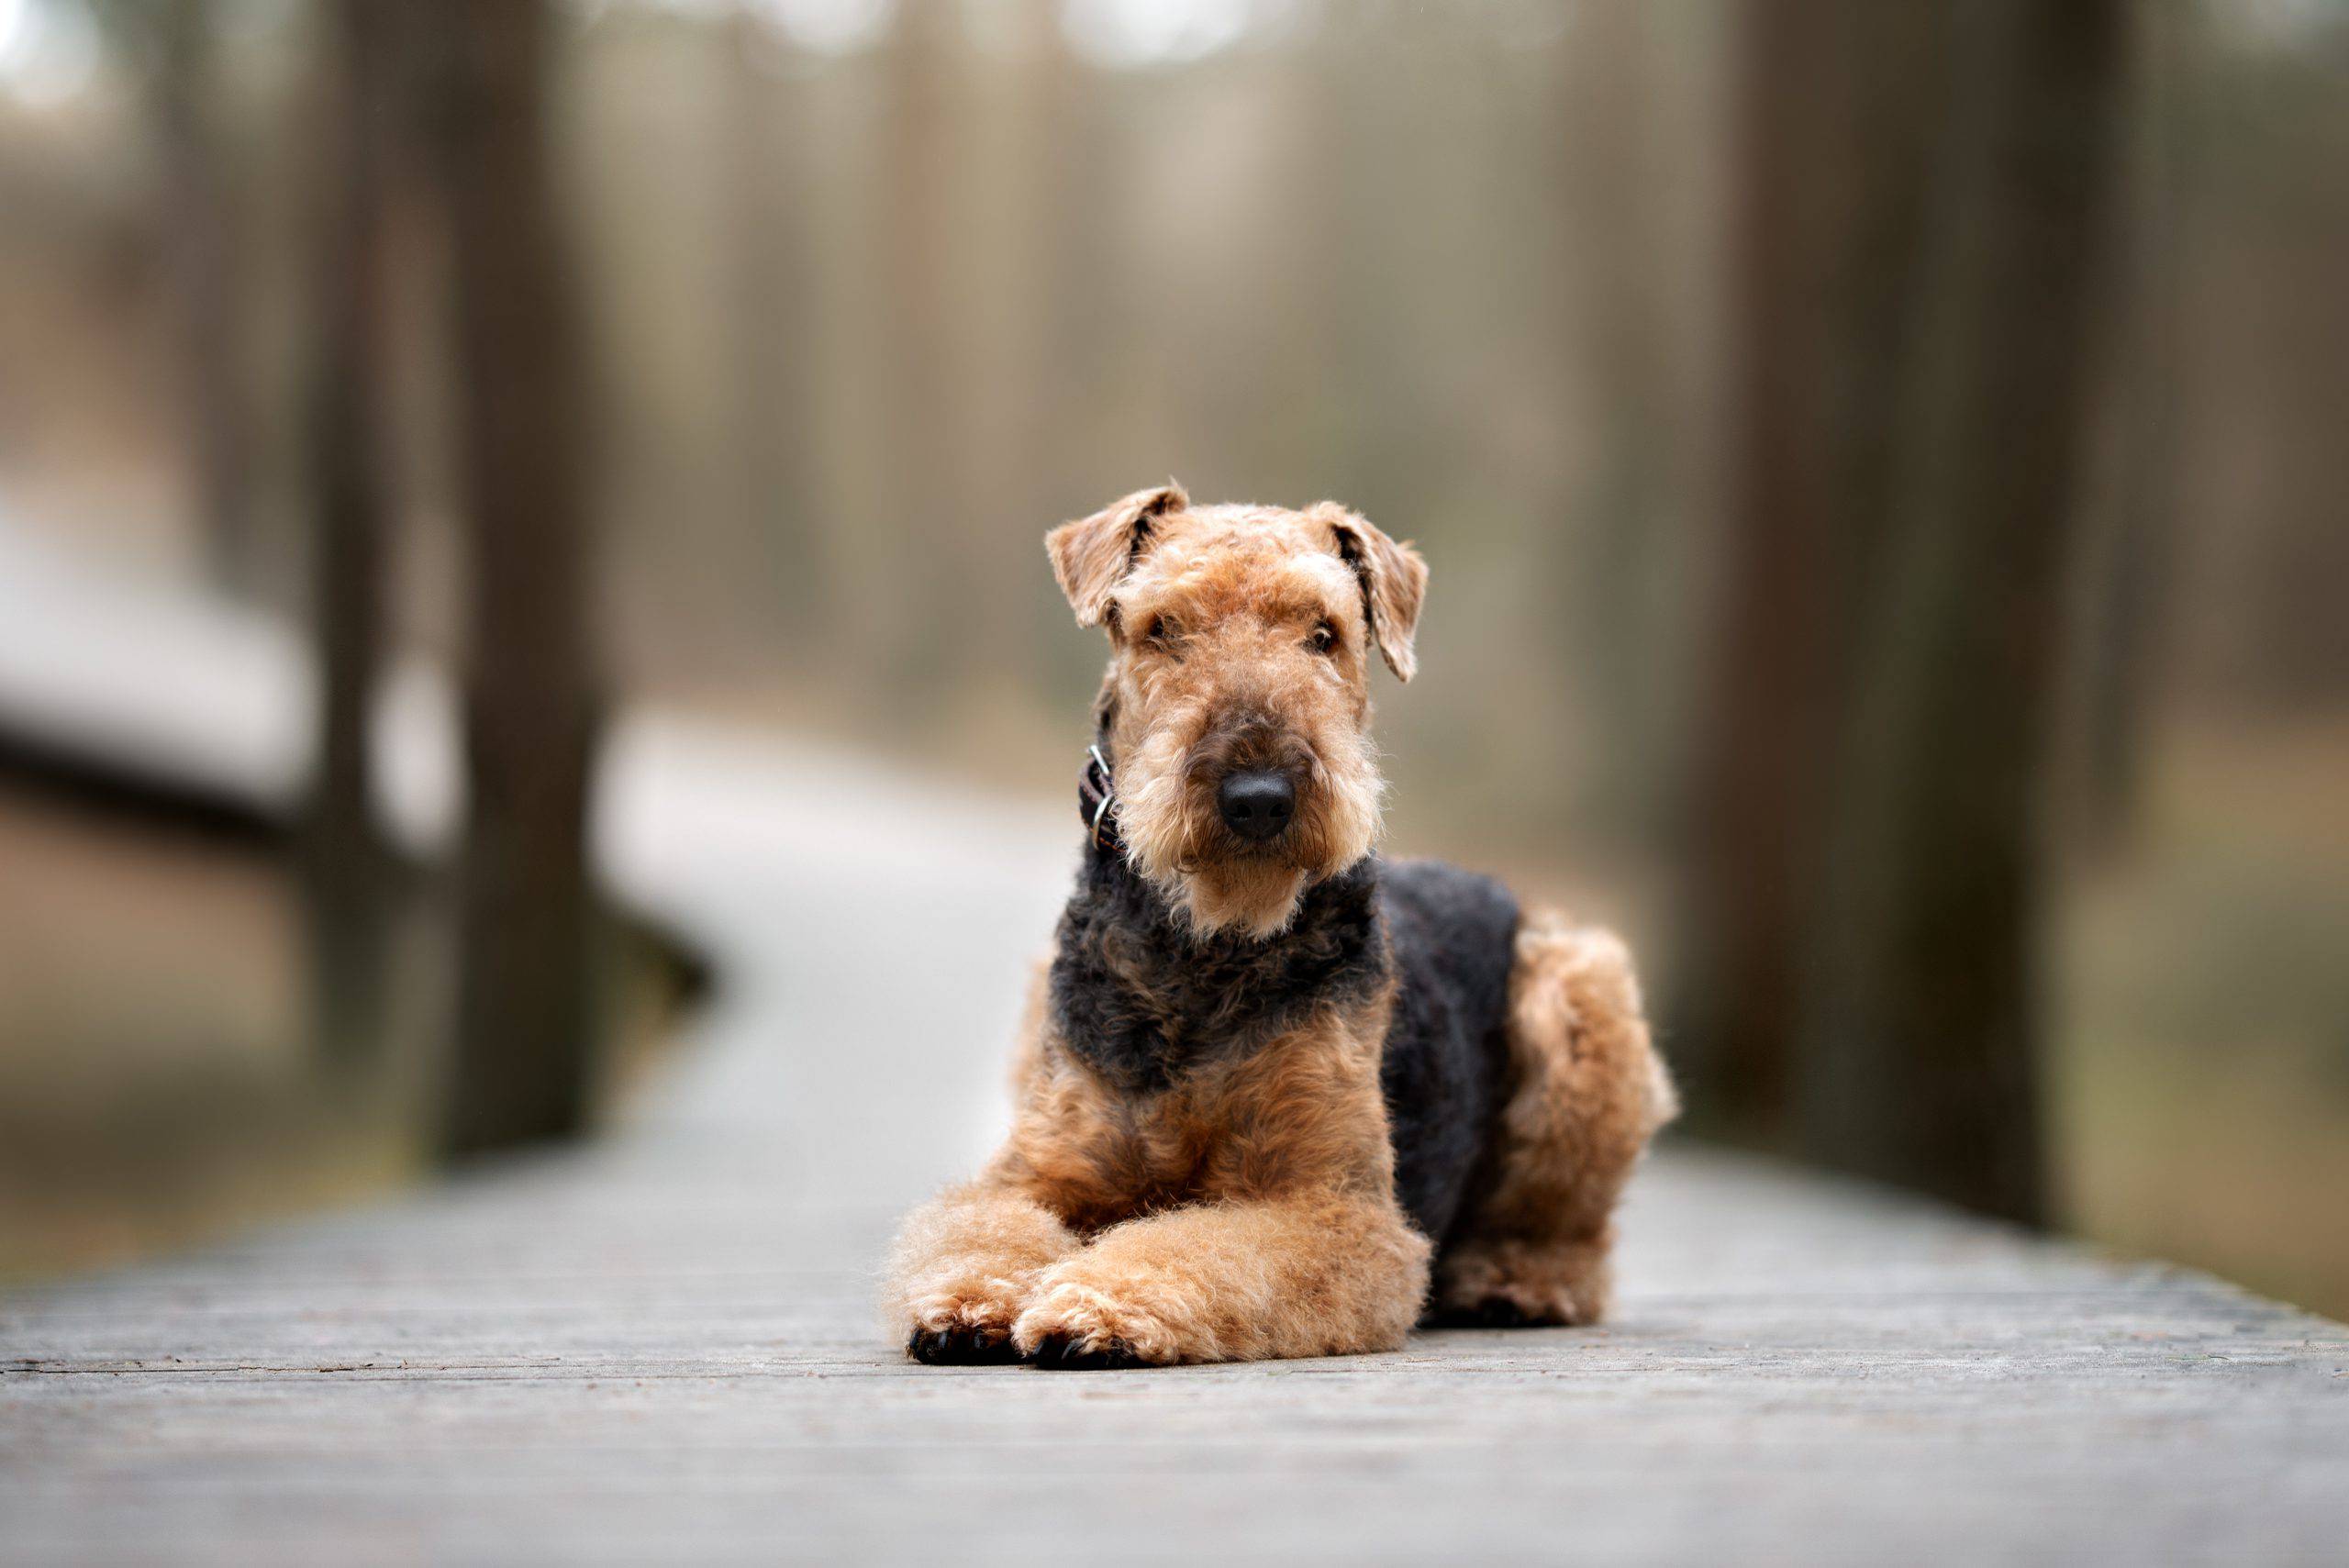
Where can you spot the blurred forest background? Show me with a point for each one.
(1882, 466)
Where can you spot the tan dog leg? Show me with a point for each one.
(963, 1267)
(1589, 1092)
(1304, 1276)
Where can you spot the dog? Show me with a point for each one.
(1275, 1096)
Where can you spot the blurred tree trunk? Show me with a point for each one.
(526, 1017)
(1840, 102)
(1085, 335)
(201, 241)
(1085, 332)
(772, 276)
(1924, 1069)
(347, 864)
(925, 523)
(2136, 542)
(1617, 327)
(1016, 443)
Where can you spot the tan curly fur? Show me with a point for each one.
(1247, 1208)
(1588, 1091)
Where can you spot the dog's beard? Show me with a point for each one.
(1175, 838)
(1257, 896)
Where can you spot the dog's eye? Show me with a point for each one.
(1324, 638)
(1164, 633)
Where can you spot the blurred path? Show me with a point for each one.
(660, 1348)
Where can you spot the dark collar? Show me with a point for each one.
(1096, 801)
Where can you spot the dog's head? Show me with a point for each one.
(1237, 702)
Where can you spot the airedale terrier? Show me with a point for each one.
(1277, 1097)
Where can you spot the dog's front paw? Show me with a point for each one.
(963, 1344)
(1074, 1325)
(964, 1321)
(1062, 1353)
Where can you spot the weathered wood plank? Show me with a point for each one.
(660, 1347)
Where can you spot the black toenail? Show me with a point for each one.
(961, 1347)
(1062, 1353)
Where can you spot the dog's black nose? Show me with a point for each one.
(1256, 804)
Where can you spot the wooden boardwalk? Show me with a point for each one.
(660, 1347)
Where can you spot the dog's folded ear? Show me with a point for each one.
(1092, 555)
(1394, 582)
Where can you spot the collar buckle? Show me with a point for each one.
(1095, 793)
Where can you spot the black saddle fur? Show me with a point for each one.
(1141, 1001)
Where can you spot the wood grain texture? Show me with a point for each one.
(662, 1347)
